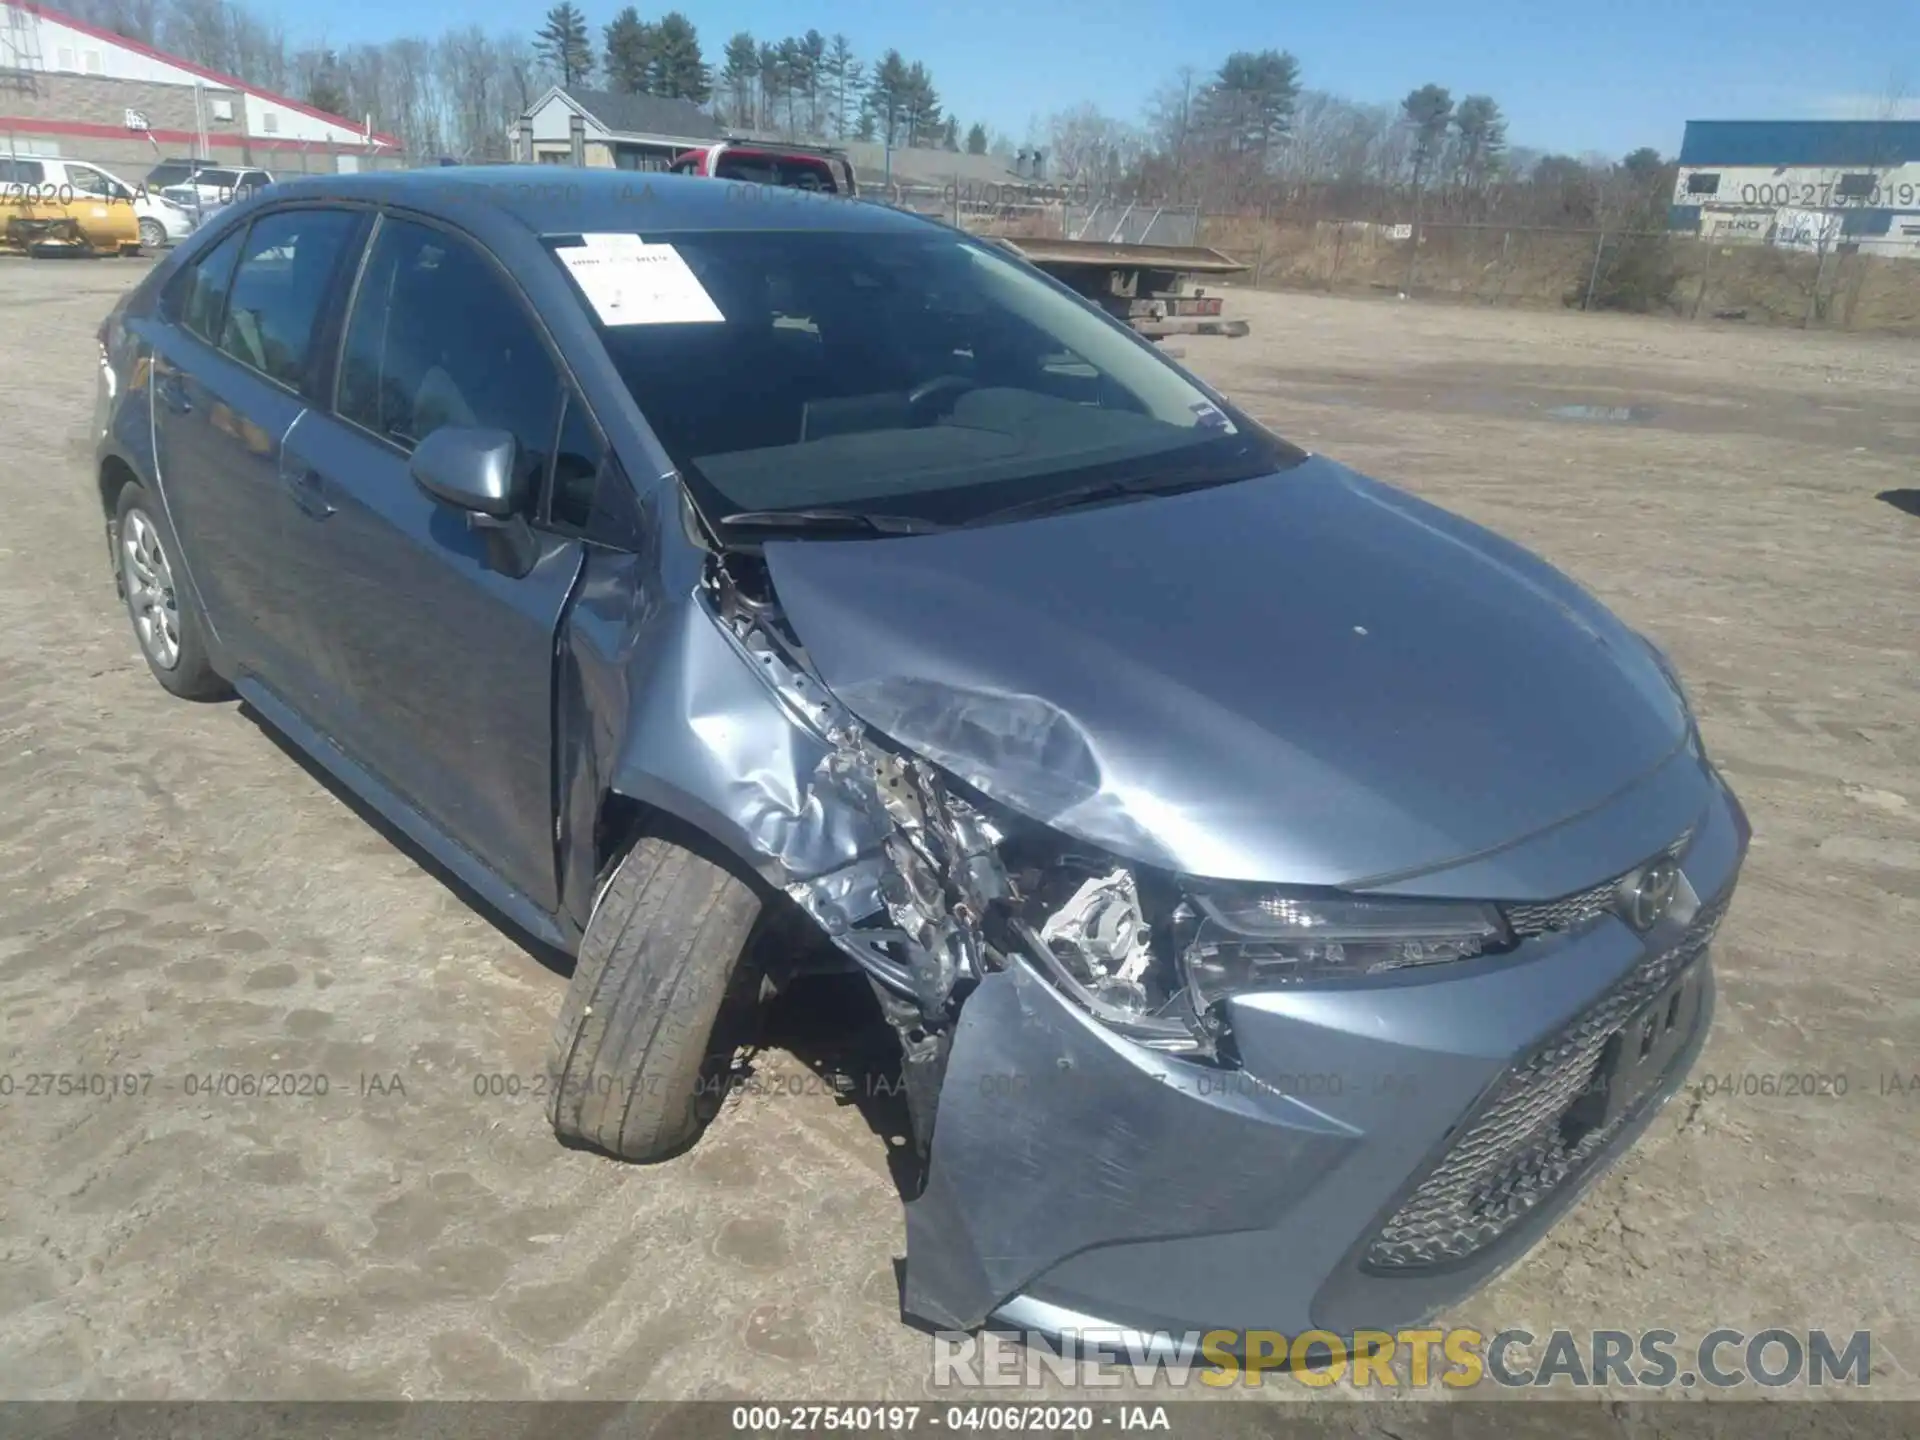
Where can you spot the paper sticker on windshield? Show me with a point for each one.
(1209, 416)
(629, 282)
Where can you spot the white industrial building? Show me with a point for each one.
(74, 89)
(1813, 185)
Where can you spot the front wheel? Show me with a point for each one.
(153, 235)
(644, 1042)
(171, 634)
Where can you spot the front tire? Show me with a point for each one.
(170, 632)
(641, 1047)
(153, 235)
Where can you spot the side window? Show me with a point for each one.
(199, 296)
(437, 338)
(85, 180)
(23, 172)
(286, 269)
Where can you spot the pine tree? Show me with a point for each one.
(563, 44)
(678, 70)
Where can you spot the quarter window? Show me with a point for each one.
(437, 338)
(1703, 184)
(590, 495)
(200, 295)
(285, 271)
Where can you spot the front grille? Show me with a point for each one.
(1568, 914)
(1516, 1153)
(1571, 912)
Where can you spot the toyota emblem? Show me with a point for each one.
(1647, 893)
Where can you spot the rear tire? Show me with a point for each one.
(168, 628)
(643, 1046)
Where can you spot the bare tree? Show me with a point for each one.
(1089, 149)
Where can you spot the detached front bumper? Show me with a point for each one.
(1384, 1150)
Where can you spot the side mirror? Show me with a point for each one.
(470, 469)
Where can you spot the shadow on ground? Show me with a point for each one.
(1904, 500)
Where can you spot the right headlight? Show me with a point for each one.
(1259, 938)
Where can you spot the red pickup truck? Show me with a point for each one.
(800, 167)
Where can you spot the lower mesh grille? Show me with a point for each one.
(1515, 1153)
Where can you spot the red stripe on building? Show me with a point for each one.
(231, 82)
(23, 125)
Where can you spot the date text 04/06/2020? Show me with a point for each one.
(898, 1419)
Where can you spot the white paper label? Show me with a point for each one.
(629, 282)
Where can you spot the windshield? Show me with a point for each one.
(168, 172)
(920, 374)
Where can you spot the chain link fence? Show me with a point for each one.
(1133, 222)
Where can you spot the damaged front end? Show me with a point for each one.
(1151, 1102)
(955, 887)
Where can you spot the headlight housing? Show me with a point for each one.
(1261, 937)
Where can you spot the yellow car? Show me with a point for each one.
(45, 219)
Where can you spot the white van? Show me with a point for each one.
(162, 221)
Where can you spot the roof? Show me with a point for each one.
(642, 115)
(231, 82)
(1824, 143)
(597, 200)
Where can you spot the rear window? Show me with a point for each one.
(753, 168)
(799, 172)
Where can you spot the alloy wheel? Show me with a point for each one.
(150, 594)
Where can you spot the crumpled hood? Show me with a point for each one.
(1308, 678)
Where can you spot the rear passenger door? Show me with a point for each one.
(444, 654)
(240, 344)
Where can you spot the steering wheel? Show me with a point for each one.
(921, 398)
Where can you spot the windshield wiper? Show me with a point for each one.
(1101, 490)
(831, 520)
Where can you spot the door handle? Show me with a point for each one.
(308, 491)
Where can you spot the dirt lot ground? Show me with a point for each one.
(181, 897)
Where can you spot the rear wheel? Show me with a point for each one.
(645, 1038)
(171, 634)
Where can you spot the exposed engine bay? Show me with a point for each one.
(957, 886)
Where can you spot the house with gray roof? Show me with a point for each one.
(609, 130)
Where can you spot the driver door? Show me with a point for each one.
(441, 659)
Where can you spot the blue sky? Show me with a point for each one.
(1607, 76)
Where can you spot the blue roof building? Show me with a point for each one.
(1762, 179)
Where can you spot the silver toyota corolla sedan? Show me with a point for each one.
(1287, 895)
